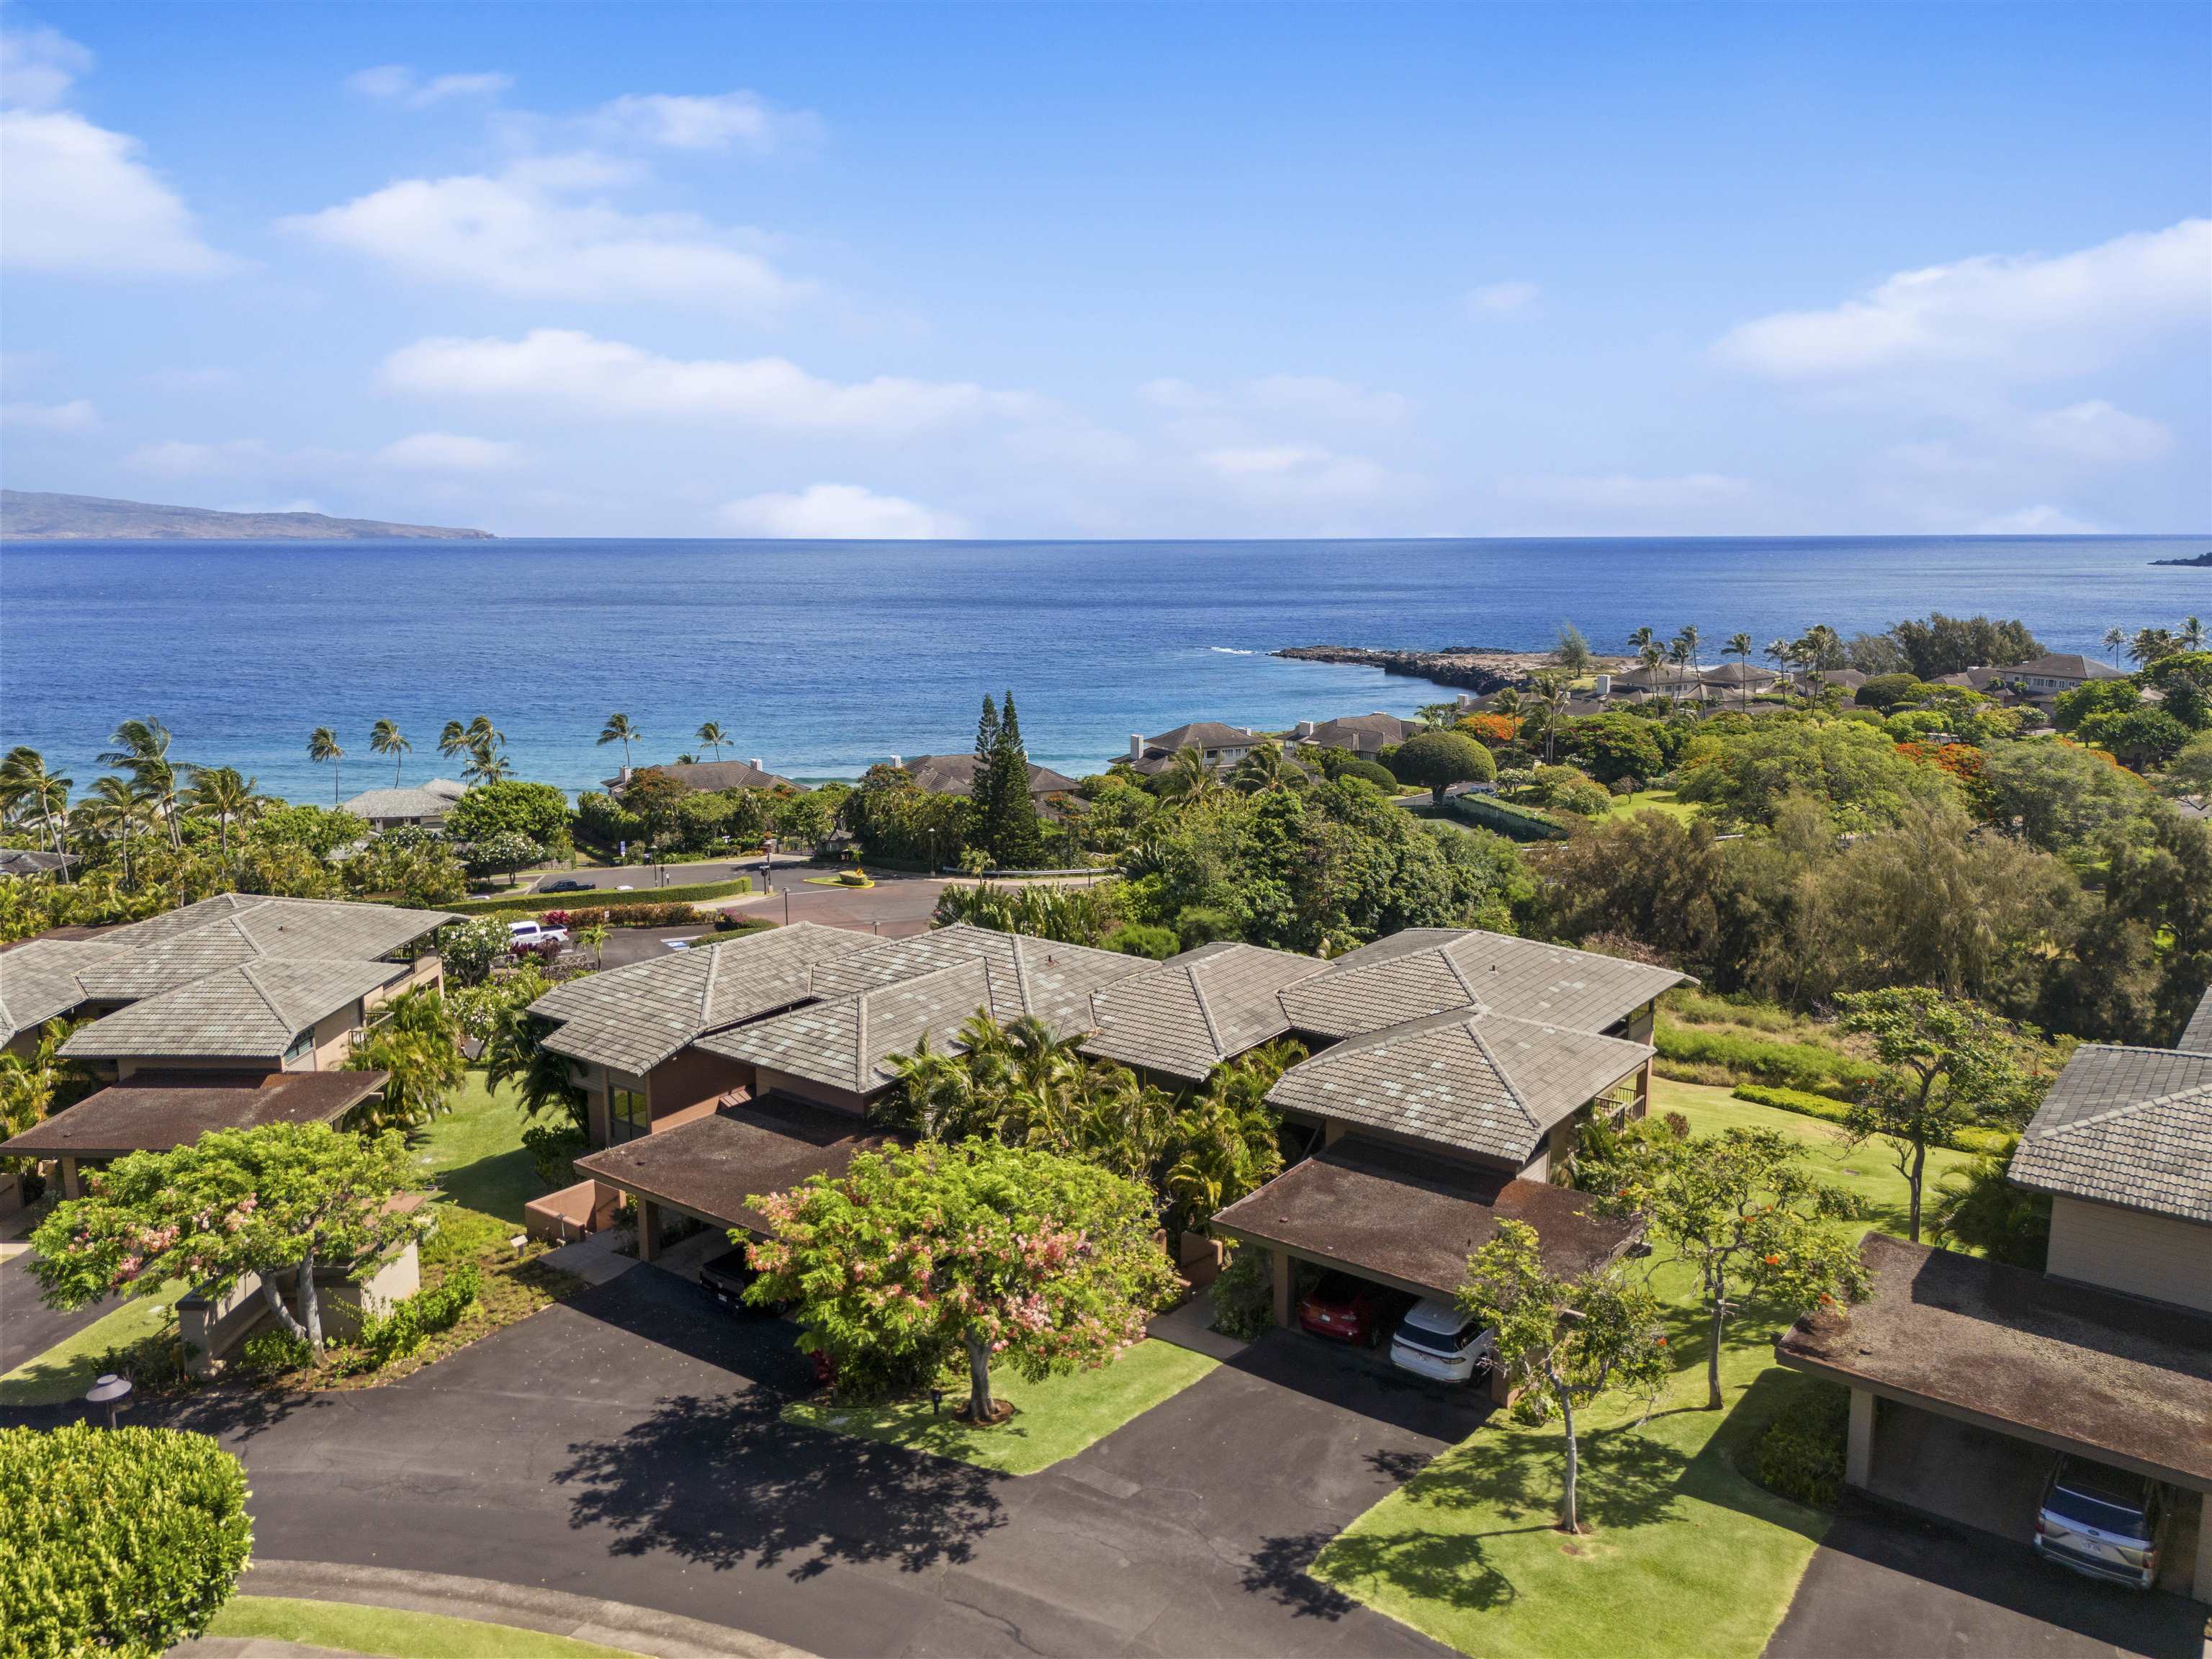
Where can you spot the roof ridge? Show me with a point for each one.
(260, 990)
(1460, 973)
(1021, 974)
(2121, 1109)
(1505, 1076)
(1198, 995)
(707, 989)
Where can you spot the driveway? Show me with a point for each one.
(1887, 1585)
(645, 878)
(27, 1327)
(627, 1445)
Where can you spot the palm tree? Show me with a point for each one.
(119, 808)
(1261, 771)
(384, 737)
(219, 793)
(2191, 636)
(142, 748)
(1188, 779)
(1650, 653)
(619, 730)
(483, 734)
(1739, 646)
(486, 764)
(2114, 639)
(1689, 640)
(452, 740)
(2148, 645)
(714, 737)
(1640, 637)
(323, 745)
(26, 785)
(1554, 693)
(1783, 655)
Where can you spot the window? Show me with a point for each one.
(302, 1049)
(630, 1116)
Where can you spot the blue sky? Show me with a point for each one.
(1064, 271)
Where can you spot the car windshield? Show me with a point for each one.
(2121, 1520)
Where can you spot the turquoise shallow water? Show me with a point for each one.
(825, 657)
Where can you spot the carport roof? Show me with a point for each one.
(158, 1111)
(710, 1166)
(1412, 1221)
(2066, 1365)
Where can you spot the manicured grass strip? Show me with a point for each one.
(1053, 1419)
(476, 1154)
(604, 898)
(1971, 1138)
(351, 1628)
(65, 1371)
(1653, 800)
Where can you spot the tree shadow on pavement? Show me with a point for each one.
(725, 1480)
(1626, 1478)
(1448, 1569)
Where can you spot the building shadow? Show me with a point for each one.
(1364, 1381)
(725, 1481)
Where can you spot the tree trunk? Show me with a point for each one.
(979, 1405)
(1568, 1518)
(274, 1298)
(1713, 1355)
(1919, 1170)
(311, 1308)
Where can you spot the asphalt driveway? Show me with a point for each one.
(1887, 1585)
(627, 1445)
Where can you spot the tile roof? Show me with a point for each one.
(160, 1111)
(291, 927)
(2126, 1127)
(711, 1166)
(844, 1043)
(422, 800)
(1202, 734)
(712, 775)
(955, 775)
(632, 1019)
(1045, 979)
(1486, 1084)
(43, 979)
(29, 861)
(1361, 733)
(2197, 1037)
(1425, 971)
(2060, 666)
(1188, 1014)
(252, 1011)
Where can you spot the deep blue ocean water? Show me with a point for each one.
(823, 658)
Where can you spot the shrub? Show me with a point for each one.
(1243, 1296)
(518, 905)
(1828, 1109)
(1801, 1454)
(468, 949)
(1436, 760)
(1135, 939)
(120, 1542)
(1891, 692)
(554, 1148)
(1203, 924)
(274, 1351)
(1801, 1065)
(396, 1334)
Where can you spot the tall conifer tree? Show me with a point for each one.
(1007, 820)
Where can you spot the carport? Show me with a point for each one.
(1966, 1375)
(1410, 1220)
(706, 1169)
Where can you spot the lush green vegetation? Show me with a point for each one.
(1053, 1419)
(475, 1154)
(348, 1628)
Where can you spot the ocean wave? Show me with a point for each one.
(1231, 651)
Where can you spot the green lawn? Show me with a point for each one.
(475, 1153)
(65, 1371)
(1053, 1419)
(1652, 800)
(1685, 1554)
(346, 1627)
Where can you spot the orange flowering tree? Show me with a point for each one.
(1014, 1255)
(1742, 1208)
(1495, 731)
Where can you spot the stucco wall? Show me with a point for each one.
(690, 1076)
(2144, 1255)
(844, 1100)
(193, 1063)
(334, 1040)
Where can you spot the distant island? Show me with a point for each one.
(34, 515)
(2202, 561)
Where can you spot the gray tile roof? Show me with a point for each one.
(29, 861)
(252, 1011)
(2128, 1127)
(292, 927)
(955, 775)
(714, 775)
(44, 978)
(431, 799)
(1041, 977)
(1188, 1014)
(2197, 1038)
(1363, 734)
(1425, 971)
(632, 1019)
(1201, 734)
(1486, 1084)
(845, 1043)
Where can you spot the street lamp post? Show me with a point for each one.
(111, 1391)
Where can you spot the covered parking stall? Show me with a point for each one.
(1967, 1377)
(1410, 1220)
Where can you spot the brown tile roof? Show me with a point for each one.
(1201, 734)
(711, 1166)
(1188, 1014)
(632, 1019)
(1486, 1083)
(1417, 1219)
(2124, 1381)
(2129, 1127)
(158, 1111)
(1425, 971)
(1363, 734)
(252, 1011)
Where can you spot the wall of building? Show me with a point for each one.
(335, 1035)
(690, 1076)
(123, 1068)
(768, 1081)
(2152, 1255)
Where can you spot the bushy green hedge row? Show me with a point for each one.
(1995, 1141)
(120, 1541)
(1514, 822)
(1802, 1453)
(1803, 1065)
(398, 1333)
(522, 904)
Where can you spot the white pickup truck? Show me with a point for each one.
(528, 935)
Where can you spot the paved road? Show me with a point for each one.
(644, 877)
(1884, 1585)
(27, 1329)
(627, 1445)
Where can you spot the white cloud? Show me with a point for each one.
(1304, 471)
(529, 233)
(742, 120)
(176, 458)
(841, 512)
(75, 198)
(576, 373)
(450, 452)
(1493, 298)
(2023, 317)
(2095, 432)
(78, 414)
(2039, 520)
(399, 85)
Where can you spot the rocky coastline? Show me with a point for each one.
(2202, 561)
(1468, 667)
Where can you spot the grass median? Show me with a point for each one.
(348, 1627)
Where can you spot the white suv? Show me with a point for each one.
(525, 935)
(2100, 1521)
(1436, 1339)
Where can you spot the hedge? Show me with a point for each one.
(1801, 1455)
(1998, 1142)
(1514, 822)
(521, 904)
(678, 914)
(115, 1540)
(1803, 1066)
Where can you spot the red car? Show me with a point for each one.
(1350, 1309)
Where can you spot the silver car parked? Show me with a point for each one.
(2100, 1521)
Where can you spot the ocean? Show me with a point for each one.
(824, 658)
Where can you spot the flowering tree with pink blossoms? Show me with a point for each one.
(279, 1201)
(1014, 1255)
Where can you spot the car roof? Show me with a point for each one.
(2101, 1480)
(1435, 1314)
